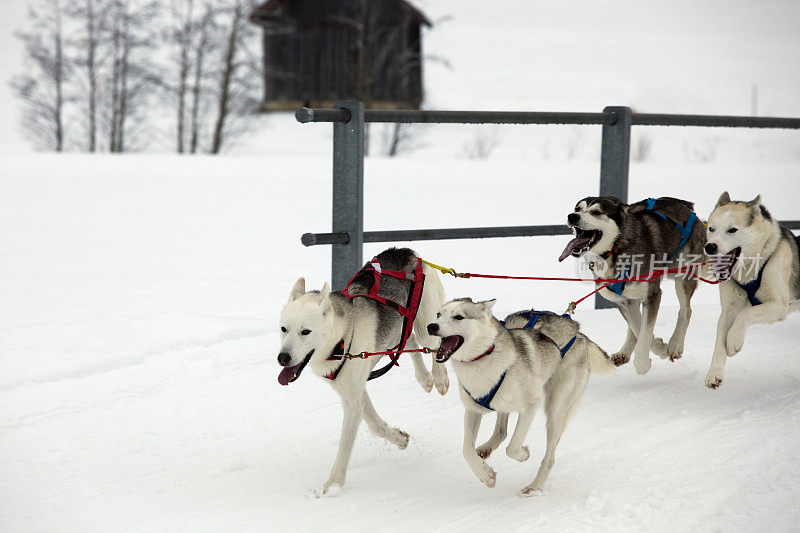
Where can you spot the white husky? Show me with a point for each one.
(513, 370)
(317, 328)
(760, 262)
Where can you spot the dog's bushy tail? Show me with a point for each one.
(599, 361)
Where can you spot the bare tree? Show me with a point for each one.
(89, 18)
(42, 86)
(183, 14)
(235, 86)
(131, 36)
(202, 41)
(482, 143)
(402, 138)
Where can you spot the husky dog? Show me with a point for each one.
(317, 326)
(652, 234)
(513, 370)
(760, 263)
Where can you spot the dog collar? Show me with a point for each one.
(484, 354)
(606, 255)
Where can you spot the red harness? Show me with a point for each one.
(408, 312)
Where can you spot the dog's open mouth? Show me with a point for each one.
(722, 264)
(448, 347)
(291, 373)
(584, 239)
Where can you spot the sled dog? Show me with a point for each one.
(760, 263)
(514, 370)
(318, 327)
(620, 240)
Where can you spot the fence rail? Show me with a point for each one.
(348, 118)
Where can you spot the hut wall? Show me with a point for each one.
(311, 53)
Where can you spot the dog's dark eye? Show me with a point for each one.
(283, 329)
(305, 332)
(711, 229)
(458, 317)
(733, 230)
(438, 315)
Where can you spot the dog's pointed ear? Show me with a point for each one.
(325, 301)
(326, 290)
(298, 290)
(724, 198)
(755, 202)
(487, 305)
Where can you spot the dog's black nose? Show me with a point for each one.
(433, 328)
(284, 359)
(573, 218)
(711, 248)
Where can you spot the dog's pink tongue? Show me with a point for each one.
(286, 375)
(574, 244)
(447, 346)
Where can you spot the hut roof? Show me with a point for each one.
(274, 10)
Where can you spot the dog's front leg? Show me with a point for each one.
(380, 428)
(472, 422)
(766, 313)
(633, 317)
(684, 288)
(515, 449)
(421, 373)
(641, 356)
(732, 305)
(352, 419)
(497, 438)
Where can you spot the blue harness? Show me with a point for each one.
(486, 399)
(535, 318)
(685, 230)
(751, 287)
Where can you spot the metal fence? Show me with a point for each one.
(348, 236)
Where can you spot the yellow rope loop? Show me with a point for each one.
(444, 270)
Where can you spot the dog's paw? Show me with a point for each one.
(440, 378)
(674, 351)
(522, 454)
(714, 378)
(484, 451)
(400, 438)
(530, 491)
(735, 341)
(642, 365)
(486, 474)
(425, 380)
(332, 487)
(657, 347)
(620, 358)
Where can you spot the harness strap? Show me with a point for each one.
(408, 312)
(535, 318)
(685, 230)
(619, 286)
(485, 400)
(752, 286)
(336, 355)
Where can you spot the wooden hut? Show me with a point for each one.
(317, 52)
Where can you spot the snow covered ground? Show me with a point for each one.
(139, 298)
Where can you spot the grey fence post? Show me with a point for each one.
(614, 159)
(348, 193)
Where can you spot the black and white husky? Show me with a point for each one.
(318, 327)
(619, 241)
(514, 370)
(760, 263)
